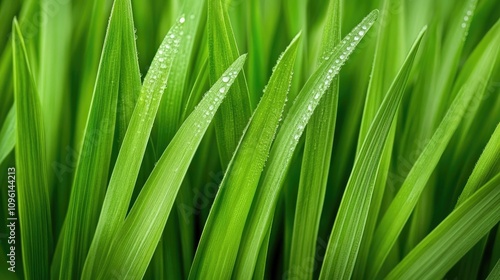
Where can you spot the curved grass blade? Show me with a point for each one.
(219, 243)
(170, 112)
(389, 56)
(31, 162)
(316, 159)
(128, 163)
(452, 49)
(55, 35)
(403, 204)
(486, 167)
(8, 134)
(234, 114)
(135, 241)
(259, 221)
(116, 71)
(457, 234)
(347, 231)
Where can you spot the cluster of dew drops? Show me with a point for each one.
(215, 98)
(467, 18)
(345, 48)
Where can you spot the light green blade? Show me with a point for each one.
(446, 244)
(487, 166)
(347, 231)
(170, 112)
(128, 163)
(261, 214)
(316, 160)
(220, 241)
(116, 73)
(55, 35)
(234, 114)
(403, 204)
(136, 239)
(29, 178)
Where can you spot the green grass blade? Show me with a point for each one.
(316, 159)
(495, 272)
(446, 244)
(128, 163)
(451, 51)
(135, 241)
(55, 35)
(234, 114)
(389, 56)
(92, 52)
(265, 200)
(486, 167)
(170, 113)
(403, 204)
(347, 231)
(219, 244)
(8, 134)
(31, 162)
(95, 155)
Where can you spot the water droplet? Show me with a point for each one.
(182, 20)
(361, 33)
(464, 25)
(342, 56)
(225, 79)
(222, 90)
(211, 107)
(466, 18)
(309, 107)
(317, 96)
(356, 38)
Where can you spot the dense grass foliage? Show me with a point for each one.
(259, 139)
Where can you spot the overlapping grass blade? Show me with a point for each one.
(8, 134)
(96, 28)
(261, 214)
(170, 112)
(218, 247)
(389, 55)
(316, 159)
(31, 172)
(135, 241)
(347, 231)
(128, 163)
(486, 167)
(95, 155)
(446, 244)
(451, 51)
(403, 204)
(54, 53)
(234, 114)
